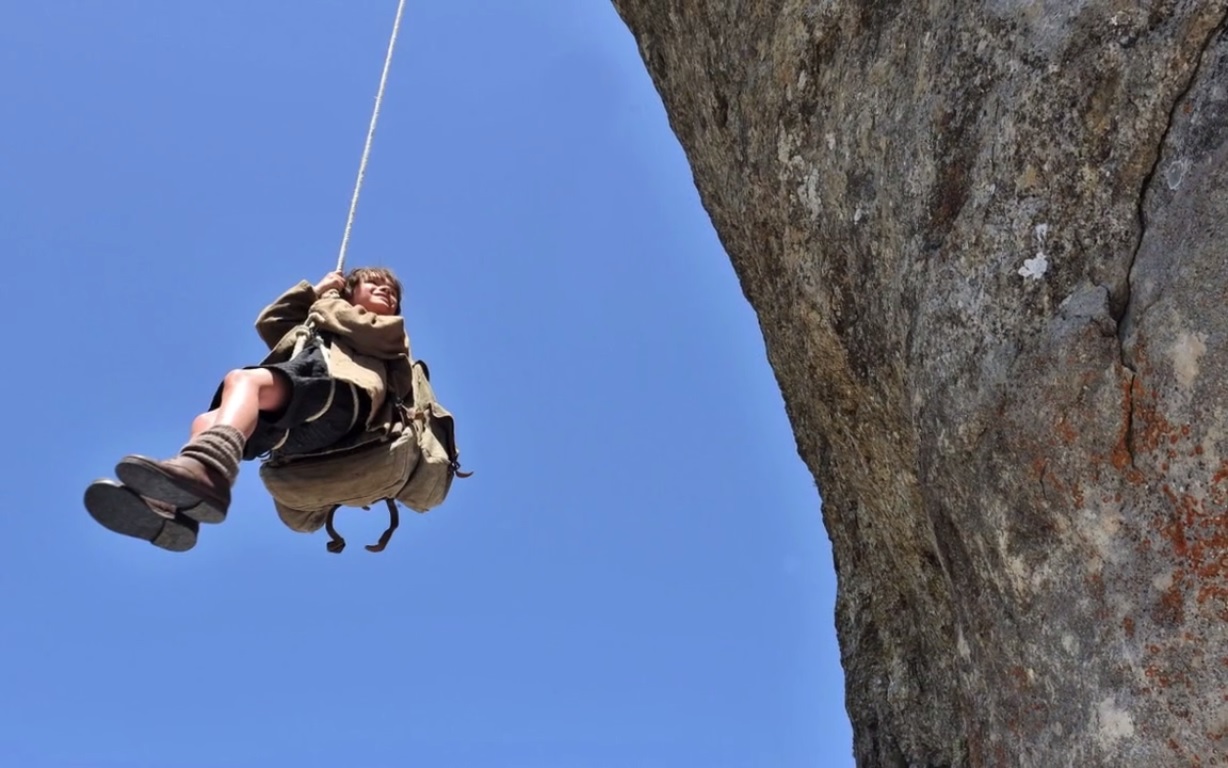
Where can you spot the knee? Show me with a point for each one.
(239, 377)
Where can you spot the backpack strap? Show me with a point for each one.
(394, 520)
(336, 544)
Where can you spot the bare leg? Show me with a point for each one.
(196, 484)
(244, 394)
(203, 422)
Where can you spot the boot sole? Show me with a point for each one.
(148, 479)
(122, 510)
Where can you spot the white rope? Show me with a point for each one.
(366, 152)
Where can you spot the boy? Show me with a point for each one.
(304, 397)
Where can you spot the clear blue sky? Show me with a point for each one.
(637, 574)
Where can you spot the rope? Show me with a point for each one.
(366, 152)
(306, 330)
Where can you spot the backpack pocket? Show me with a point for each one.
(431, 478)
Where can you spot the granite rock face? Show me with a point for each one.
(988, 248)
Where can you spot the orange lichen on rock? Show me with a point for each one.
(1196, 532)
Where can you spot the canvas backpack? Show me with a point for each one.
(413, 463)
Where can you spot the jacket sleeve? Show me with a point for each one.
(287, 312)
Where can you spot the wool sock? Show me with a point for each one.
(220, 448)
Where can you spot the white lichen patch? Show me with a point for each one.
(1174, 174)
(786, 148)
(1185, 354)
(808, 193)
(1114, 723)
(796, 169)
(1036, 267)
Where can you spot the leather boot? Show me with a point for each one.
(191, 487)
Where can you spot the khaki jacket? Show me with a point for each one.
(369, 350)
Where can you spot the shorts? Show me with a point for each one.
(321, 410)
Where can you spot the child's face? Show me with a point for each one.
(375, 296)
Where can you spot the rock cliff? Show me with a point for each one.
(987, 244)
